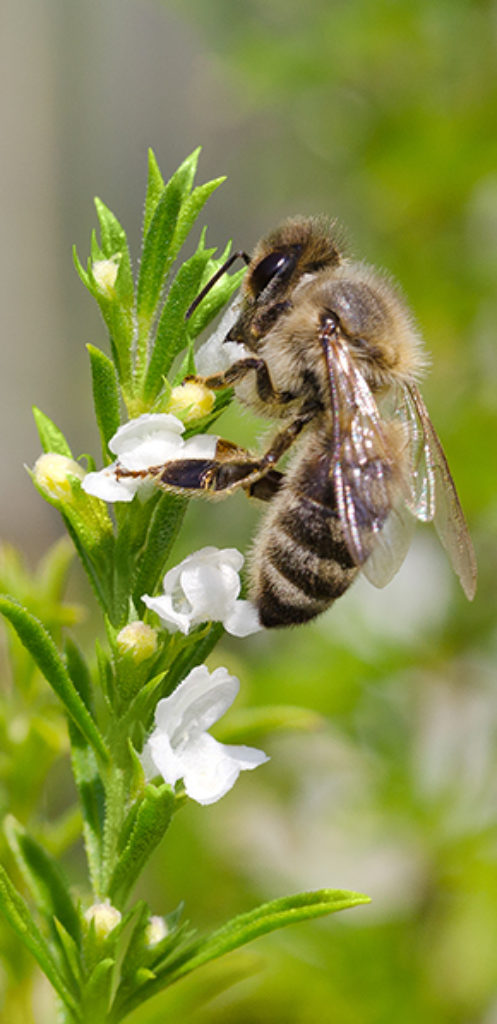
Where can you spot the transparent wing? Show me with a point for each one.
(368, 482)
(432, 492)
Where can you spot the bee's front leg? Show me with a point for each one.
(265, 387)
(231, 467)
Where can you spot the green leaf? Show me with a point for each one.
(70, 954)
(242, 929)
(92, 798)
(162, 532)
(14, 909)
(43, 876)
(98, 991)
(214, 301)
(105, 396)
(79, 672)
(190, 210)
(157, 252)
(172, 329)
(155, 187)
(40, 645)
(153, 817)
(52, 439)
(96, 551)
(115, 246)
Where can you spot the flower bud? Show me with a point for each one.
(190, 401)
(52, 473)
(137, 641)
(105, 274)
(155, 931)
(105, 918)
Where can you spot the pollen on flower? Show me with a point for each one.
(138, 640)
(105, 917)
(190, 401)
(105, 274)
(52, 473)
(156, 930)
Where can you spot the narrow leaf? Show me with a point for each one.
(243, 929)
(14, 909)
(153, 817)
(172, 330)
(191, 209)
(97, 991)
(105, 396)
(70, 954)
(163, 530)
(115, 246)
(155, 187)
(52, 439)
(92, 797)
(40, 645)
(156, 251)
(43, 876)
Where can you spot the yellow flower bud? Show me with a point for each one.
(190, 401)
(137, 640)
(52, 473)
(105, 274)
(105, 917)
(155, 931)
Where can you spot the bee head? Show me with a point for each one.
(302, 245)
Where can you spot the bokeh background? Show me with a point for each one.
(382, 115)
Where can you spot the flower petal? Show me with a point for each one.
(242, 619)
(217, 354)
(172, 618)
(210, 590)
(106, 485)
(159, 751)
(199, 701)
(208, 770)
(141, 428)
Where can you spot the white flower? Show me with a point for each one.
(180, 746)
(204, 587)
(216, 354)
(147, 441)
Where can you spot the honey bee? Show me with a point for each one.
(331, 351)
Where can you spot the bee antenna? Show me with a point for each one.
(215, 278)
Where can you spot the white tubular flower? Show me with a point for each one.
(180, 746)
(204, 587)
(142, 443)
(216, 354)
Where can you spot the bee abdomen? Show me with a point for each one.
(301, 562)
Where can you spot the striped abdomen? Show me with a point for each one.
(300, 561)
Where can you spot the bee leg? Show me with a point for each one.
(266, 486)
(265, 387)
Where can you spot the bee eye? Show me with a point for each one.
(277, 263)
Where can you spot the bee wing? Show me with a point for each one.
(432, 492)
(369, 486)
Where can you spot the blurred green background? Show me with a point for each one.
(383, 115)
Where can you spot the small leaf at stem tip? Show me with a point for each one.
(51, 438)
